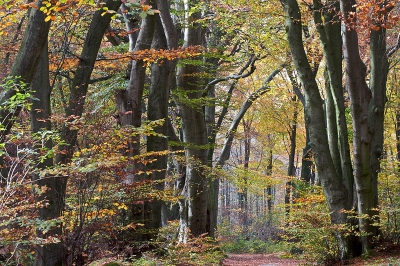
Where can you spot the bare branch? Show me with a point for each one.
(241, 74)
(225, 153)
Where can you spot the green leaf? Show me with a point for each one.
(143, 14)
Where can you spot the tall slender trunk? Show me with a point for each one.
(162, 74)
(379, 67)
(129, 104)
(360, 98)
(194, 205)
(270, 190)
(291, 171)
(243, 195)
(48, 254)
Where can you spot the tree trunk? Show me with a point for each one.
(81, 80)
(193, 207)
(162, 74)
(337, 195)
(291, 171)
(243, 196)
(24, 67)
(78, 91)
(330, 37)
(270, 190)
(49, 254)
(363, 136)
(378, 80)
(129, 106)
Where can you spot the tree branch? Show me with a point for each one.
(250, 63)
(394, 48)
(225, 153)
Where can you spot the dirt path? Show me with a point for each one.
(258, 260)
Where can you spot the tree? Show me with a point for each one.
(193, 208)
(74, 110)
(24, 66)
(333, 164)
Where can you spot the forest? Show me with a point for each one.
(177, 132)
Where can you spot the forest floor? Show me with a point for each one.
(382, 256)
(259, 260)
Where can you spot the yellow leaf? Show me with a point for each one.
(47, 18)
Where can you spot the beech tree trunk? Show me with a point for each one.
(130, 106)
(367, 105)
(379, 67)
(193, 207)
(162, 74)
(24, 67)
(330, 37)
(49, 254)
(81, 80)
(78, 91)
(337, 194)
(31, 64)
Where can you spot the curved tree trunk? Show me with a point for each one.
(80, 83)
(24, 67)
(336, 192)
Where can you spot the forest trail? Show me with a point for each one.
(258, 260)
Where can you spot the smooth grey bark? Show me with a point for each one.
(364, 124)
(129, 103)
(49, 254)
(129, 100)
(379, 68)
(171, 38)
(330, 37)
(193, 207)
(26, 61)
(168, 25)
(337, 195)
(131, 25)
(162, 74)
